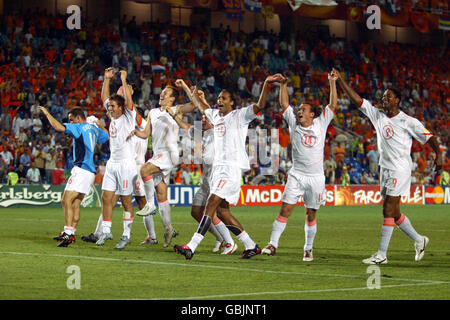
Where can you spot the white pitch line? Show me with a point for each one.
(189, 264)
(298, 291)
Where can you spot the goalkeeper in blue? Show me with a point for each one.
(86, 134)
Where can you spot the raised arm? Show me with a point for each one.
(109, 73)
(143, 134)
(265, 91)
(53, 122)
(126, 90)
(199, 100)
(332, 77)
(187, 107)
(348, 90)
(178, 118)
(283, 96)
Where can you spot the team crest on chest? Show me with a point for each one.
(220, 129)
(388, 131)
(112, 129)
(308, 141)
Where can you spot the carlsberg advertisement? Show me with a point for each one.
(42, 195)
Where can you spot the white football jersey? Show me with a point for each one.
(308, 143)
(140, 145)
(119, 129)
(230, 133)
(164, 131)
(394, 136)
(207, 143)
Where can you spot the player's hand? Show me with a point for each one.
(336, 73)
(109, 73)
(332, 76)
(132, 134)
(44, 110)
(179, 83)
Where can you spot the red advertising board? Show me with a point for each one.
(335, 195)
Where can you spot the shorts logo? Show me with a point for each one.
(220, 129)
(388, 131)
(308, 141)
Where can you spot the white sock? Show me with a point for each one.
(195, 241)
(164, 211)
(246, 240)
(127, 223)
(98, 228)
(405, 225)
(150, 226)
(278, 227)
(149, 187)
(310, 233)
(69, 230)
(223, 230)
(106, 226)
(386, 233)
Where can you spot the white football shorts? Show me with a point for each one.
(120, 177)
(225, 182)
(80, 180)
(394, 182)
(165, 163)
(312, 188)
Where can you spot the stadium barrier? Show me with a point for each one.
(183, 195)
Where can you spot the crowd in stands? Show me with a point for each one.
(43, 63)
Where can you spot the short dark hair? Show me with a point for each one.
(232, 97)
(118, 99)
(314, 108)
(175, 92)
(396, 93)
(77, 111)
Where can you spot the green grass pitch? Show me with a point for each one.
(33, 267)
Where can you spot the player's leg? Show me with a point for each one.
(148, 222)
(108, 203)
(197, 209)
(128, 218)
(402, 221)
(165, 212)
(76, 204)
(233, 224)
(310, 233)
(188, 249)
(278, 227)
(291, 195)
(66, 201)
(147, 171)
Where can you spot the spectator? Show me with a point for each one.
(36, 125)
(33, 175)
(339, 153)
(329, 175)
(13, 178)
(39, 160)
(196, 177)
(50, 165)
(185, 175)
(345, 178)
(22, 173)
(373, 156)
